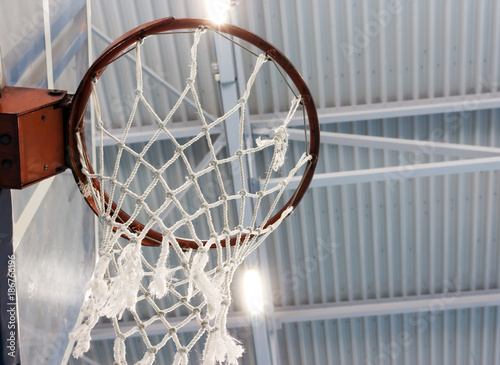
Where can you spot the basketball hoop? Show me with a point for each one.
(122, 44)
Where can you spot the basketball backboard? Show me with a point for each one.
(46, 231)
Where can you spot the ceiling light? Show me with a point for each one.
(218, 10)
(253, 292)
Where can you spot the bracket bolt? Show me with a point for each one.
(6, 164)
(5, 139)
(55, 92)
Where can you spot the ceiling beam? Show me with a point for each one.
(105, 331)
(451, 299)
(394, 109)
(379, 307)
(395, 173)
(394, 144)
(145, 133)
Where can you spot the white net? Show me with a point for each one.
(124, 279)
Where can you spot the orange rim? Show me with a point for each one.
(115, 49)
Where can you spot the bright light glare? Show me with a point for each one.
(253, 292)
(218, 10)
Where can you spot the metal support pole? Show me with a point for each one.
(9, 319)
(2, 75)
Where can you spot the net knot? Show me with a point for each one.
(152, 350)
(189, 81)
(229, 265)
(138, 92)
(281, 145)
(86, 189)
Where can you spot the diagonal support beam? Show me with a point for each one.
(148, 71)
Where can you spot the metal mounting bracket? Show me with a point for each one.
(32, 137)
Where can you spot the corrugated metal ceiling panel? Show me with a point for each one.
(397, 237)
